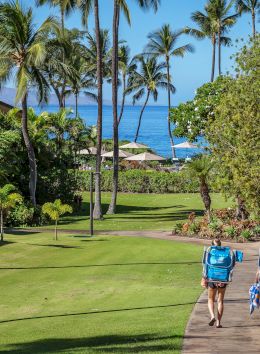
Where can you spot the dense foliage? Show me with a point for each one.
(141, 181)
(191, 118)
(226, 112)
(234, 134)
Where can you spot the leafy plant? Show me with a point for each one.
(230, 231)
(8, 200)
(177, 228)
(246, 234)
(54, 211)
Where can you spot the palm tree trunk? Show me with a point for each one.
(97, 213)
(76, 104)
(30, 152)
(2, 225)
(62, 18)
(112, 206)
(123, 100)
(141, 114)
(253, 23)
(204, 192)
(241, 212)
(219, 52)
(56, 230)
(169, 107)
(213, 57)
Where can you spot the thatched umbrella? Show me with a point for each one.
(145, 156)
(122, 154)
(134, 145)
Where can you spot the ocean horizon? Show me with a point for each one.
(153, 131)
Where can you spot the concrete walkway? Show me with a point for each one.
(240, 332)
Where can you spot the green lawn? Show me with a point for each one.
(99, 295)
(143, 211)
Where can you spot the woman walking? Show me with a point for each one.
(215, 290)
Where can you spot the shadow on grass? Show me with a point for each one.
(124, 209)
(134, 343)
(55, 246)
(88, 313)
(18, 232)
(6, 243)
(100, 265)
(155, 217)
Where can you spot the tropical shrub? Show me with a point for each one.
(55, 210)
(140, 181)
(222, 224)
(8, 200)
(20, 215)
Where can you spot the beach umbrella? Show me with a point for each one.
(121, 154)
(186, 145)
(90, 151)
(134, 145)
(145, 156)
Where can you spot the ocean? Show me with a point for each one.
(153, 131)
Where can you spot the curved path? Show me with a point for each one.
(240, 332)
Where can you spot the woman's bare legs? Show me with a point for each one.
(211, 300)
(221, 295)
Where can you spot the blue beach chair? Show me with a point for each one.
(218, 263)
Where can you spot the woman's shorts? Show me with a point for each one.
(216, 285)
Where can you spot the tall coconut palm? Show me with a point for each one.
(207, 29)
(120, 5)
(86, 6)
(200, 167)
(22, 53)
(219, 11)
(251, 6)
(65, 7)
(146, 80)
(162, 43)
(125, 67)
(59, 65)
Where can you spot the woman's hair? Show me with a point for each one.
(216, 242)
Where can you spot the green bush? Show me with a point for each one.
(21, 215)
(141, 181)
(246, 234)
(194, 228)
(177, 228)
(231, 231)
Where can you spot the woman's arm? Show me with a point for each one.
(257, 276)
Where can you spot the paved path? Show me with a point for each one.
(240, 332)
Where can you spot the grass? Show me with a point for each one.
(95, 295)
(143, 211)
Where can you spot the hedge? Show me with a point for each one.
(141, 181)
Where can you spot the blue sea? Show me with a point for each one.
(153, 131)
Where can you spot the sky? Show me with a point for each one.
(188, 73)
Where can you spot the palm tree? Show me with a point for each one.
(125, 67)
(23, 51)
(85, 7)
(200, 168)
(65, 7)
(219, 11)
(207, 29)
(55, 210)
(120, 5)
(8, 200)
(251, 6)
(162, 42)
(147, 80)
